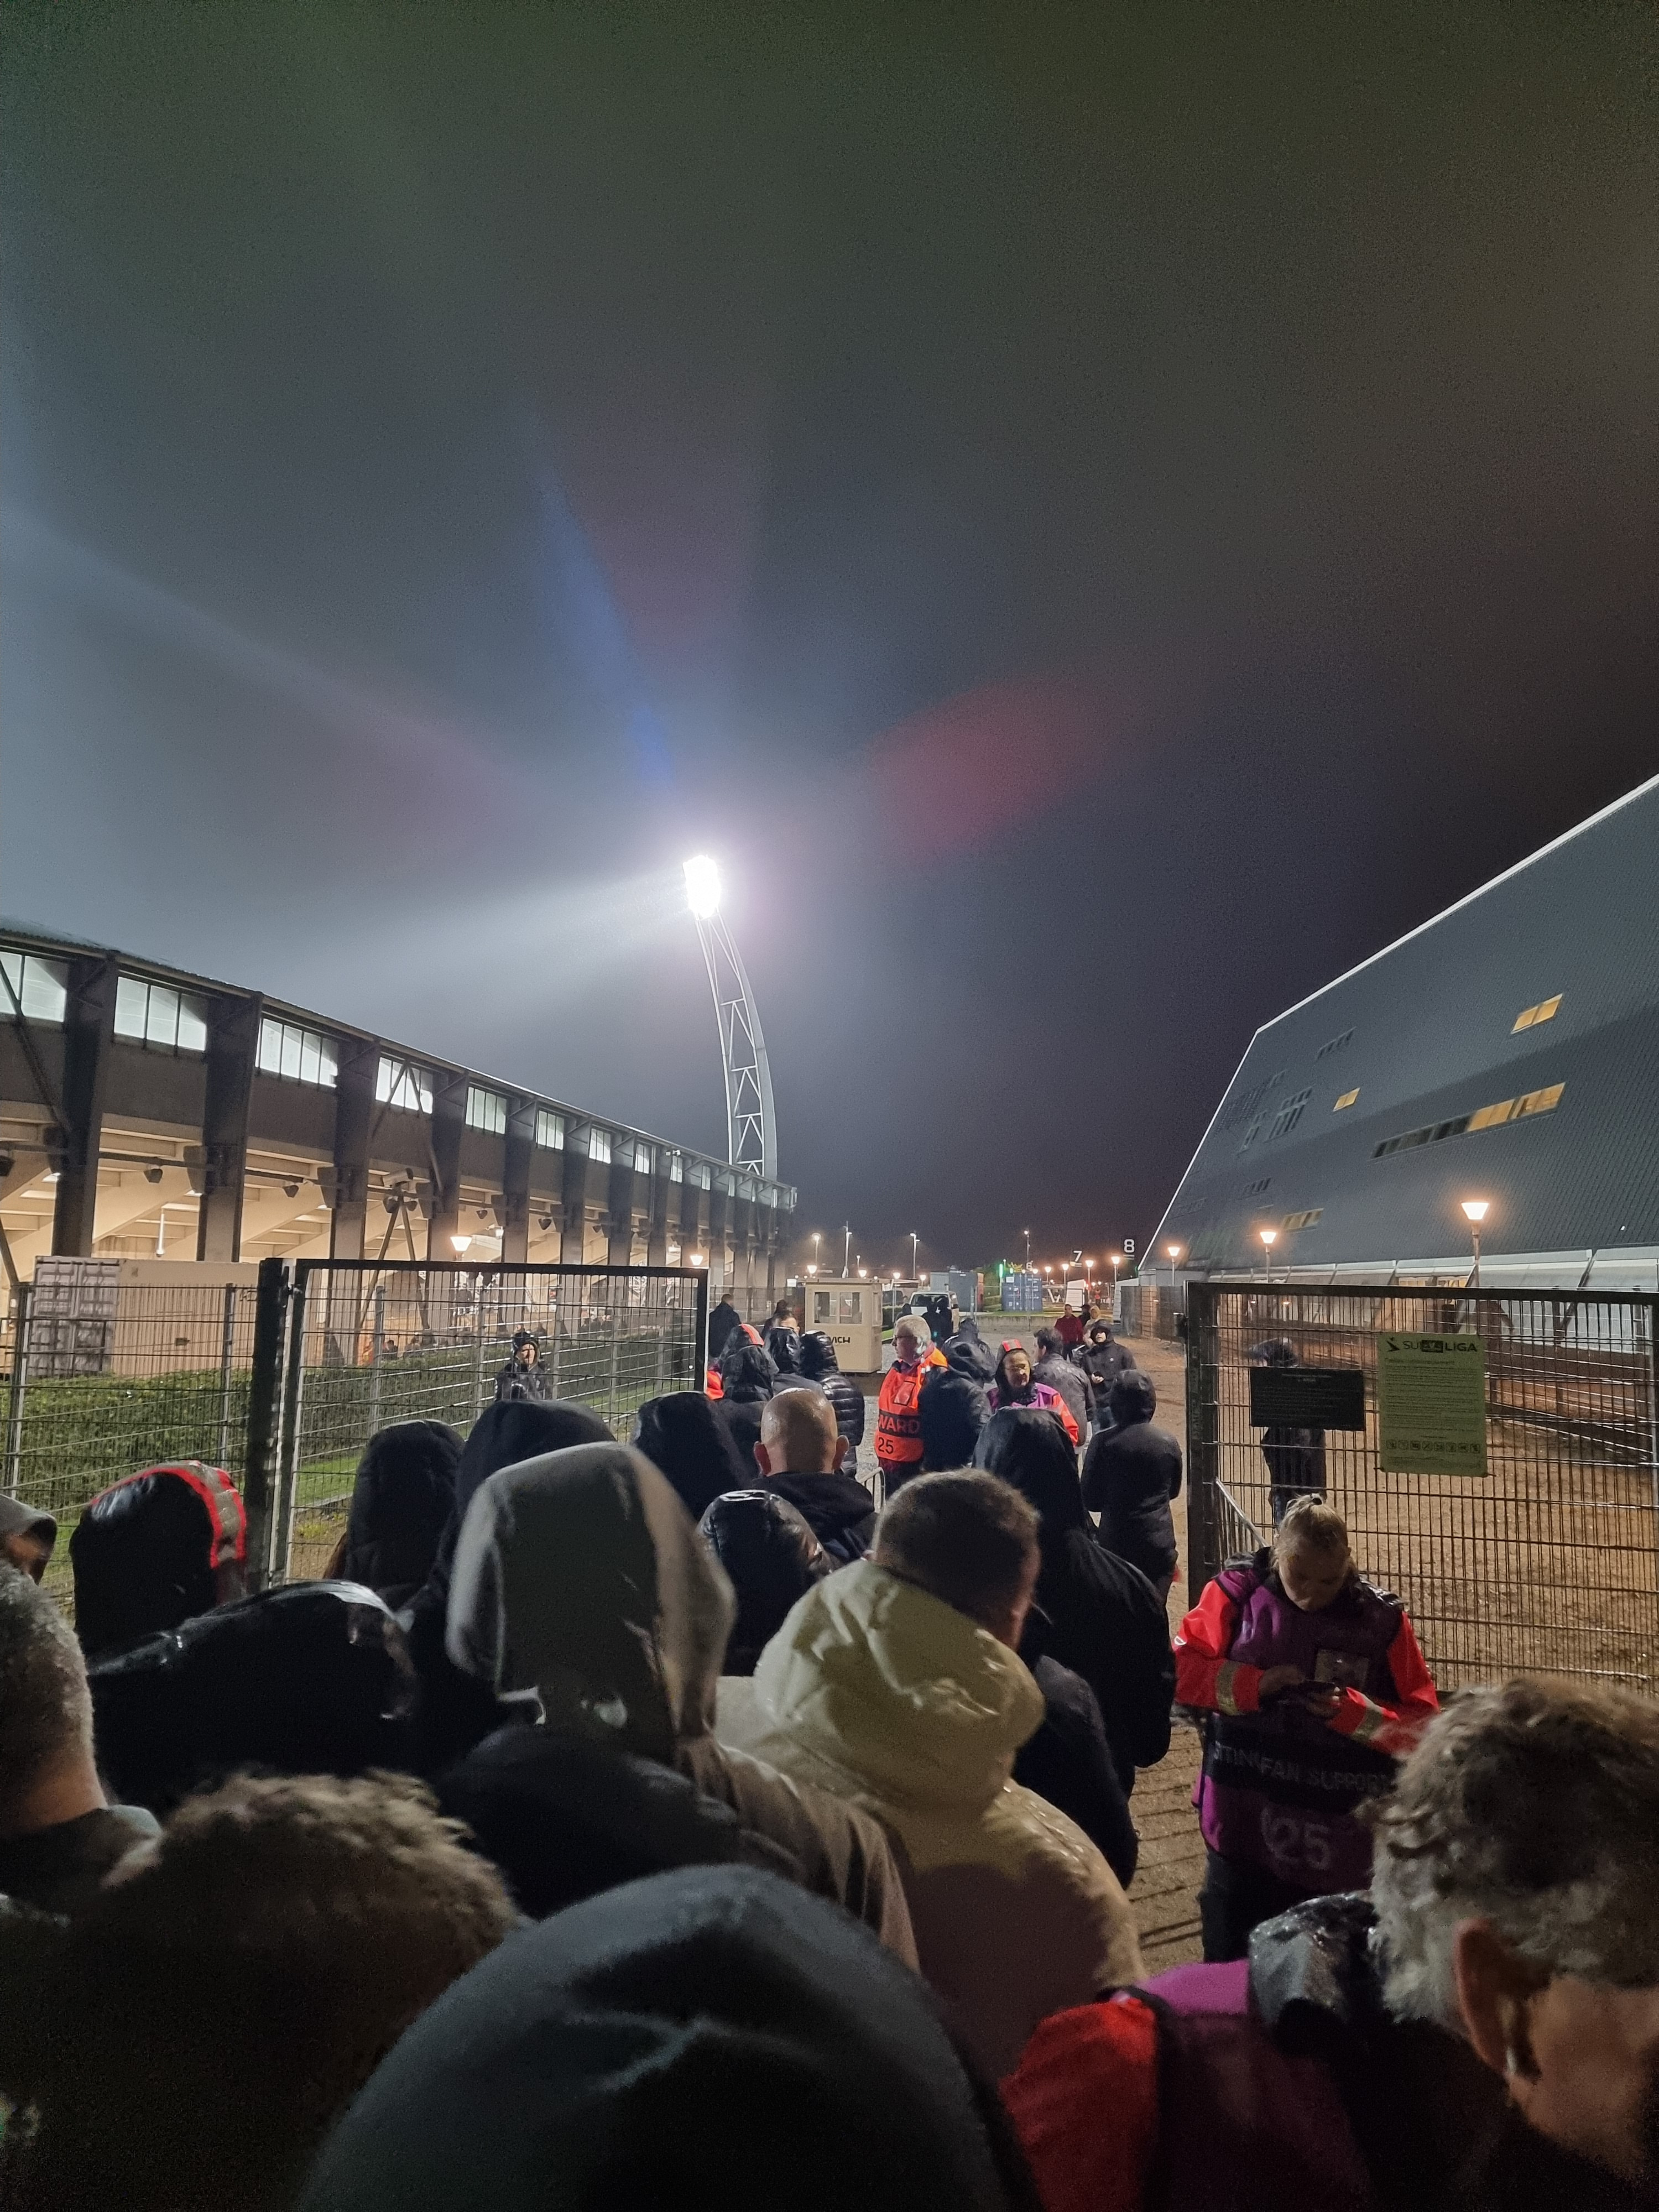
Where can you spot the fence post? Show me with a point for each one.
(700, 1341)
(263, 1399)
(376, 1353)
(20, 1377)
(292, 1382)
(226, 1354)
(615, 1347)
(1203, 1451)
(477, 1345)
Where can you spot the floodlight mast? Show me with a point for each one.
(751, 1123)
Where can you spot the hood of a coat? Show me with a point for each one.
(401, 1504)
(713, 2035)
(900, 1691)
(748, 1374)
(817, 1355)
(580, 1576)
(1029, 1450)
(682, 1435)
(968, 1356)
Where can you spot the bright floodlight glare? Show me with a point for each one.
(1475, 1208)
(702, 885)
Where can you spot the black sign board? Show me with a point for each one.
(1307, 1398)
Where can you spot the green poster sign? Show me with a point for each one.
(1432, 1404)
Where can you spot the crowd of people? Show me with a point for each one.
(617, 1822)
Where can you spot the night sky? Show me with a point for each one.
(1099, 517)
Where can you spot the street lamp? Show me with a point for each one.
(1174, 1251)
(847, 1247)
(1269, 1238)
(751, 1124)
(1474, 1212)
(811, 1268)
(1028, 1251)
(818, 1239)
(915, 1242)
(697, 1259)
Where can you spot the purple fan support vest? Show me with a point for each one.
(1278, 1788)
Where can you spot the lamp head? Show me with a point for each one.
(1475, 1209)
(1269, 1238)
(1172, 1250)
(703, 886)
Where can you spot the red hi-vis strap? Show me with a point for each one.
(225, 1510)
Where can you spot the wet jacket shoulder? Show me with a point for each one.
(839, 1510)
(1071, 1383)
(845, 1396)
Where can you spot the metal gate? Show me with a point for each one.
(367, 1342)
(1547, 1564)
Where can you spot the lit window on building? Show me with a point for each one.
(1305, 1220)
(550, 1130)
(400, 1085)
(1347, 1099)
(156, 1014)
(299, 1056)
(1538, 1102)
(39, 987)
(598, 1146)
(486, 1110)
(697, 1174)
(676, 1168)
(1545, 1011)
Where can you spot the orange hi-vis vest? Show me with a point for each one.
(898, 1410)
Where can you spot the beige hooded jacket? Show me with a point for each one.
(897, 1703)
(580, 1579)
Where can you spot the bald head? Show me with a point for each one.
(798, 1434)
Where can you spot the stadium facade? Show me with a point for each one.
(1508, 1051)
(148, 1112)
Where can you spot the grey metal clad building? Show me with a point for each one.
(149, 1114)
(1507, 1050)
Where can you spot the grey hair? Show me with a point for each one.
(918, 1328)
(45, 1709)
(1533, 1807)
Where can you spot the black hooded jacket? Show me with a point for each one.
(155, 1549)
(1105, 1621)
(819, 1364)
(841, 1512)
(709, 2037)
(749, 1375)
(771, 1557)
(1069, 1762)
(1131, 1472)
(682, 1436)
(953, 1409)
(976, 1357)
(401, 1504)
(1103, 1360)
(722, 1321)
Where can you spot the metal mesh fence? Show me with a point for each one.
(1548, 1563)
(369, 1345)
(101, 1379)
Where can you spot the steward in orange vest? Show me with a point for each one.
(898, 1410)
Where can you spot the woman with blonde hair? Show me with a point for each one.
(1313, 1683)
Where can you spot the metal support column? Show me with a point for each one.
(89, 1028)
(233, 1045)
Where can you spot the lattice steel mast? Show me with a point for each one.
(752, 1125)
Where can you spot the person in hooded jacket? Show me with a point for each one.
(1104, 1619)
(454, 1713)
(709, 2037)
(724, 1318)
(1295, 1454)
(771, 1558)
(748, 1379)
(682, 1435)
(155, 1549)
(1131, 1475)
(401, 1504)
(581, 1582)
(953, 1409)
(819, 1364)
(1054, 1366)
(796, 1452)
(523, 1376)
(1016, 1385)
(1102, 1359)
(896, 1684)
(978, 1359)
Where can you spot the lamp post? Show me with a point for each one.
(1269, 1238)
(916, 1244)
(1174, 1251)
(846, 1249)
(751, 1124)
(1474, 1212)
(818, 1239)
(1028, 1251)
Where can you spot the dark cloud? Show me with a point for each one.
(1101, 516)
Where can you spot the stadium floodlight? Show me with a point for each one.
(702, 885)
(1474, 1212)
(751, 1123)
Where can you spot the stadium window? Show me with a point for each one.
(297, 1055)
(642, 1159)
(156, 1015)
(1540, 1102)
(39, 987)
(1334, 1044)
(1493, 1116)
(486, 1109)
(400, 1085)
(676, 1168)
(726, 1183)
(550, 1130)
(1346, 1100)
(1545, 1011)
(1302, 1220)
(698, 1175)
(598, 1146)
